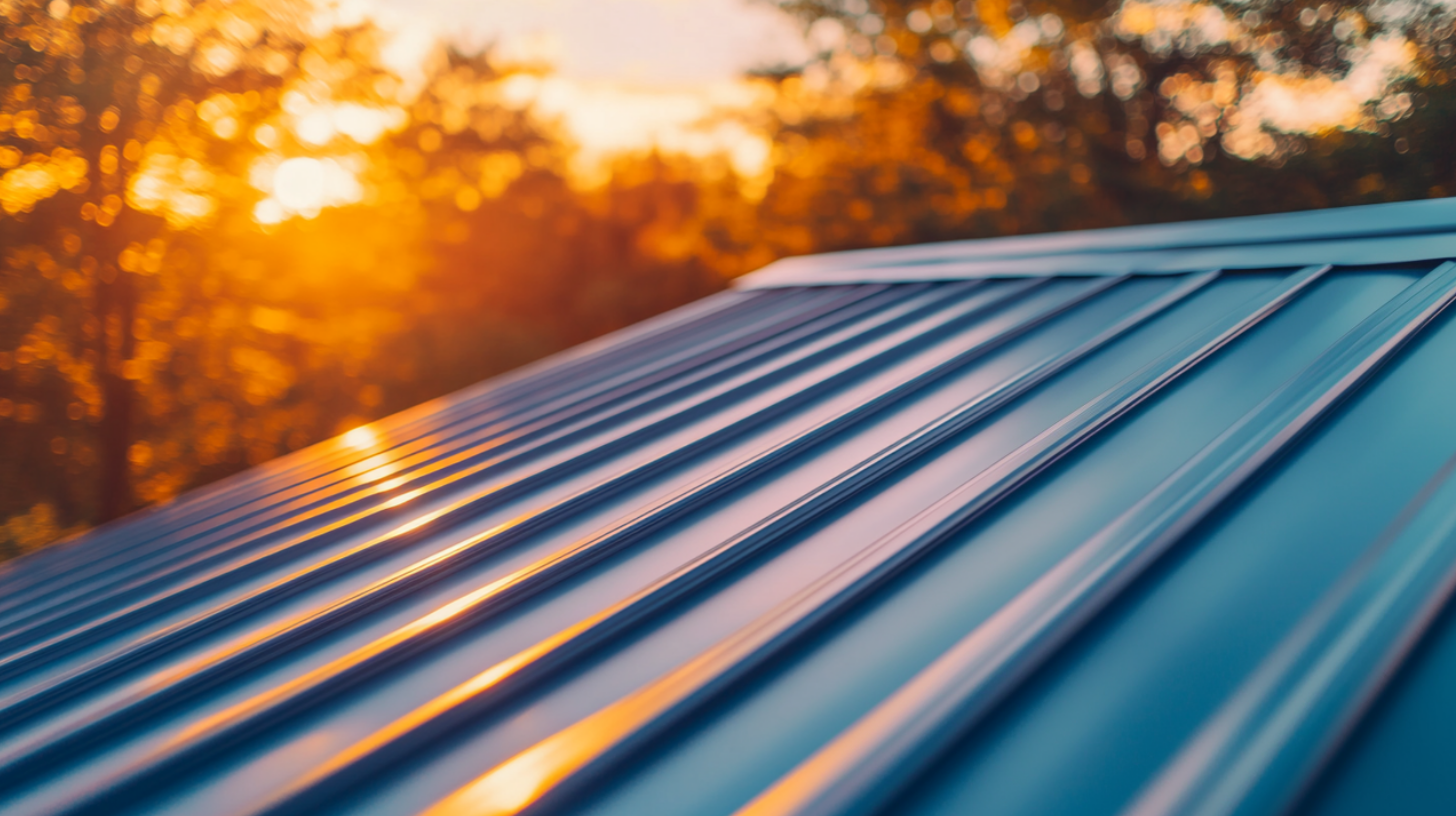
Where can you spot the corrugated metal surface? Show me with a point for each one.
(1149, 544)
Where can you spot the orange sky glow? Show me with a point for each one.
(621, 76)
(625, 74)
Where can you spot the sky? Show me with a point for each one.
(628, 74)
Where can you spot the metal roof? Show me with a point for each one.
(1379, 233)
(890, 531)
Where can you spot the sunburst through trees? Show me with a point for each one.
(231, 229)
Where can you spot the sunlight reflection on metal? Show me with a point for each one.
(514, 785)
(309, 681)
(405, 498)
(389, 485)
(377, 468)
(361, 438)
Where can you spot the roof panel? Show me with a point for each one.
(1381, 233)
(1017, 543)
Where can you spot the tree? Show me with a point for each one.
(978, 118)
(233, 229)
(119, 139)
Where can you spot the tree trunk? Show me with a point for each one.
(116, 307)
(116, 297)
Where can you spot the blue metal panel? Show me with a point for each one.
(920, 537)
(1380, 233)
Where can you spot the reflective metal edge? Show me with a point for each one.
(1382, 249)
(1116, 250)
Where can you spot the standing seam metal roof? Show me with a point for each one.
(1151, 521)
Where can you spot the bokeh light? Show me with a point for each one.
(305, 186)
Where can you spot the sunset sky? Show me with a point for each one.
(628, 73)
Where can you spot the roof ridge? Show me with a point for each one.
(1143, 249)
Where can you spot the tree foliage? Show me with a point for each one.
(229, 229)
(232, 229)
(999, 116)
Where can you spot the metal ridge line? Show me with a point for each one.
(258, 714)
(872, 760)
(204, 500)
(502, 442)
(479, 429)
(70, 738)
(1399, 220)
(456, 708)
(1269, 740)
(587, 750)
(477, 501)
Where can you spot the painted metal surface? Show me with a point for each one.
(1382, 233)
(1057, 544)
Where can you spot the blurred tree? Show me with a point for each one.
(544, 266)
(120, 138)
(231, 229)
(933, 120)
(85, 92)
